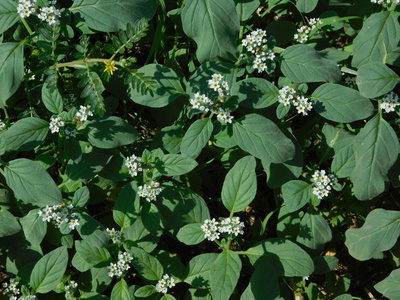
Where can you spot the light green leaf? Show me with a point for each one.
(26, 134)
(52, 99)
(214, 26)
(145, 291)
(113, 15)
(196, 137)
(306, 6)
(379, 233)
(390, 286)
(8, 14)
(379, 35)
(341, 104)
(93, 255)
(263, 139)
(138, 235)
(225, 274)
(168, 87)
(198, 270)
(11, 69)
(301, 63)
(376, 149)
(240, 185)
(175, 164)
(31, 183)
(79, 263)
(191, 234)
(49, 270)
(376, 79)
(127, 206)
(111, 132)
(296, 194)
(148, 266)
(34, 228)
(121, 291)
(8, 224)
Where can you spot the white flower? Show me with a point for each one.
(212, 228)
(122, 265)
(164, 284)
(134, 165)
(323, 183)
(151, 191)
(83, 113)
(55, 124)
(389, 102)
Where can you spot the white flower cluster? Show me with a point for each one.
(2, 126)
(150, 191)
(26, 7)
(389, 102)
(13, 291)
(60, 215)
(165, 283)
(323, 183)
(217, 84)
(122, 265)
(302, 33)
(114, 235)
(256, 43)
(133, 164)
(70, 290)
(83, 113)
(55, 124)
(385, 3)
(70, 133)
(288, 95)
(213, 228)
(50, 13)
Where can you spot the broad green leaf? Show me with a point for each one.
(91, 230)
(341, 104)
(26, 134)
(79, 263)
(245, 9)
(379, 233)
(52, 99)
(287, 257)
(379, 35)
(390, 286)
(139, 236)
(94, 296)
(121, 291)
(11, 69)
(263, 139)
(147, 266)
(225, 274)
(145, 291)
(49, 270)
(34, 228)
(376, 149)
(97, 13)
(325, 264)
(169, 138)
(301, 63)
(306, 6)
(375, 79)
(93, 255)
(175, 164)
(196, 137)
(214, 26)
(296, 194)
(255, 93)
(240, 185)
(191, 234)
(150, 217)
(168, 87)
(8, 224)
(345, 297)
(198, 270)
(111, 132)
(31, 183)
(8, 14)
(81, 197)
(126, 208)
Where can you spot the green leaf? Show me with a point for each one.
(147, 266)
(169, 138)
(34, 228)
(8, 224)
(214, 26)
(341, 104)
(8, 14)
(97, 13)
(325, 264)
(52, 99)
(11, 69)
(379, 233)
(301, 63)
(93, 255)
(225, 274)
(376, 149)
(255, 93)
(376, 79)
(121, 291)
(390, 286)
(168, 87)
(198, 270)
(26, 134)
(111, 132)
(196, 137)
(191, 234)
(296, 194)
(137, 235)
(306, 6)
(127, 206)
(150, 217)
(49, 270)
(175, 164)
(31, 183)
(246, 9)
(91, 230)
(81, 197)
(379, 35)
(263, 139)
(240, 185)
(145, 291)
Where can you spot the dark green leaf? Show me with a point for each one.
(390, 286)
(126, 208)
(306, 6)
(196, 137)
(191, 234)
(147, 266)
(81, 197)
(8, 224)
(52, 99)
(175, 164)
(296, 194)
(199, 270)
(34, 228)
(93, 255)
(8, 14)
(121, 291)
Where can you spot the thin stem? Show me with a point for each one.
(84, 62)
(348, 71)
(27, 26)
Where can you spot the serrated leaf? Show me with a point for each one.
(8, 14)
(390, 286)
(148, 266)
(121, 291)
(31, 183)
(175, 164)
(240, 185)
(34, 227)
(198, 270)
(263, 139)
(49, 270)
(52, 99)
(379, 233)
(296, 194)
(341, 104)
(191, 234)
(8, 224)
(126, 208)
(214, 26)
(196, 137)
(376, 149)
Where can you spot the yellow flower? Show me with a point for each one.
(110, 66)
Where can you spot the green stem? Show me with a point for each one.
(84, 62)
(348, 71)
(27, 26)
